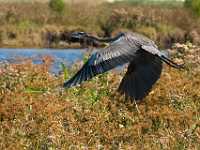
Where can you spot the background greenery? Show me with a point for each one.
(164, 22)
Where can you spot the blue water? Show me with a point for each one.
(67, 57)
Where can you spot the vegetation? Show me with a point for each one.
(19, 29)
(160, 3)
(194, 5)
(36, 114)
(57, 5)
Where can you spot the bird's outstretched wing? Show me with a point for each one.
(144, 71)
(117, 53)
(141, 75)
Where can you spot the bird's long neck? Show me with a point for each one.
(107, 40)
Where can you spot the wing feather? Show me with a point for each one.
(142, 73)
(116, 54)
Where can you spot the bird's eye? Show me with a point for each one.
(82, 33)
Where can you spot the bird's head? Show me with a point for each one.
(78, 35)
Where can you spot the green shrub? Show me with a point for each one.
(148, 31)
(194, 5)
(57, 5)
(26, 24)
(188, 3)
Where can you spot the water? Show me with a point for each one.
(67, 57)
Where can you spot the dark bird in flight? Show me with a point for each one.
(142, 54)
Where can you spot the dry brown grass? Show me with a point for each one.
(35, 114)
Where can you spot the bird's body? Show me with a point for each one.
(142, 54)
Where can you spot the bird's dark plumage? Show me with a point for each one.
(144, 69)
(140, 76)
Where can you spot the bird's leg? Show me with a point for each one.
(136, 106)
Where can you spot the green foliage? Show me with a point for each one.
(34, 90)
(148, 31)
(188, 3)
(65, 71)
(194, 5)
(26, 24)
(57, 5)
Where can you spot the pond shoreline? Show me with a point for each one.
(39, 56)
(64, 47)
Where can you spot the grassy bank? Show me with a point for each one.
(35, 114)
(26, 24)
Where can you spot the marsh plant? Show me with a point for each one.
(35, 112)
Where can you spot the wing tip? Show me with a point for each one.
(68, 84)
